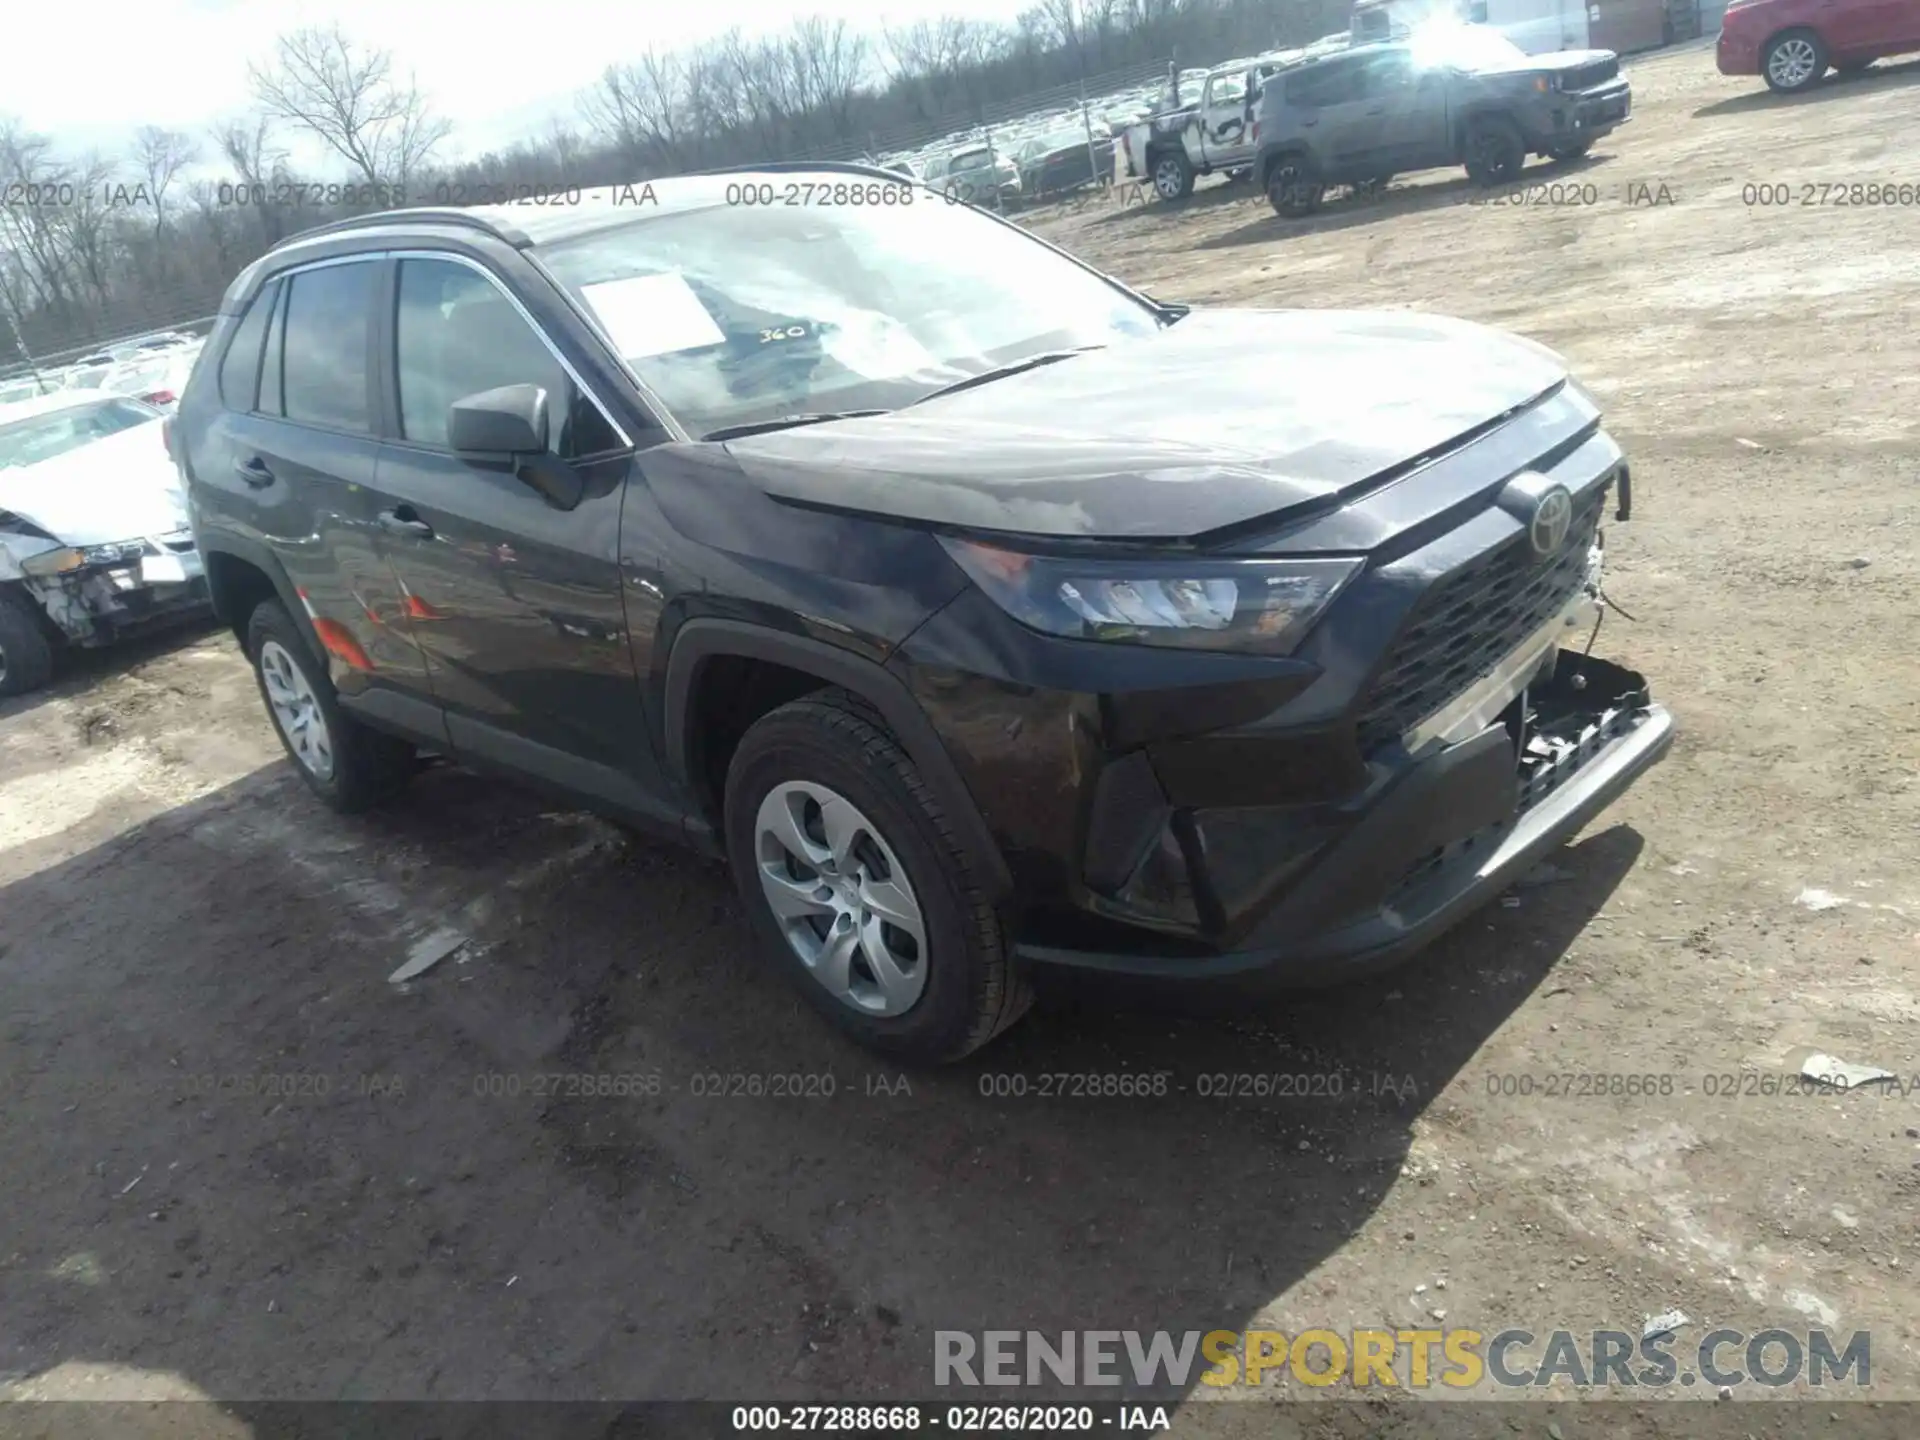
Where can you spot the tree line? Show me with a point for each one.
(95, 247)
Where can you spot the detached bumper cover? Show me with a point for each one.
(1492, 821)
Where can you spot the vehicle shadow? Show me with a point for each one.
(1882, 76)
(1344, 210)
(605, 1153)
(78, 671)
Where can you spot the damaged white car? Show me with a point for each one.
(94, 539)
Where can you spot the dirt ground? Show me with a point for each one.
(177, 914)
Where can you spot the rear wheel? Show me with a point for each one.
(858, 888)
(1794, 61)
(26, 657)
(1172, 175)
(1495, 152)
(1293, 188)
(346, 764)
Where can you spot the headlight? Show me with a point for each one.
(53, 562)
(1263, 606)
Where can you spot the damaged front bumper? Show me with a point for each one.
(1456, 828)
(103, 593)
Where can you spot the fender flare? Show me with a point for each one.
(256, 555)
(704, 638)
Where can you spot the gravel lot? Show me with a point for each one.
(173, 906)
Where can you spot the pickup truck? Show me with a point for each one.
(1174, 148)
(1474, 98)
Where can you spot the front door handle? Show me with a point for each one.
(254, 472)
(403, 520)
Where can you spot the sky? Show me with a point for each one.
(495, 68)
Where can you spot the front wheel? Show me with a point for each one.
(1495, 153)
(1794, 62)
(858, 888)
(349, 766)
(1172, 175)
(26, 658)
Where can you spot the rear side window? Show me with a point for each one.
(1330, 84)
(272, 392)
(240, 368)
(324, 364)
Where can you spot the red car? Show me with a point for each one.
(1793, 42)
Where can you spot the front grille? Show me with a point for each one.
(1469, 621)
(1585, 77)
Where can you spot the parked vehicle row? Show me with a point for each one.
(982, 613)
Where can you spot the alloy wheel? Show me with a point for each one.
(1167, 179)
(841, 898)
(296, 710)
(1792, 62)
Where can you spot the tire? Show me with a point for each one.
(1495, 152)
(26, 656)
(1572, 150)
(1172, 174)
(1292, 187)
(363, 766)
(1793, 61)
(954, 985)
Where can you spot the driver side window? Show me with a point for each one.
(456, 334)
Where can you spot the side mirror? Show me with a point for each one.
(506, 429)
(505, 423)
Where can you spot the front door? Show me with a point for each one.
(515, 602)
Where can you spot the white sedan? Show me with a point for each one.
(94, 536)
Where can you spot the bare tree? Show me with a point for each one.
(248, 148)
(159, 155)
(641, 108)
(349, 99)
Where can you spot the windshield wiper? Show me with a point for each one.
(1032, 362)
(787, 422)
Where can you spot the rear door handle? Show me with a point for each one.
(254, 472)
(403, 520)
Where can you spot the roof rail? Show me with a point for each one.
(420, 215)
(777, 167)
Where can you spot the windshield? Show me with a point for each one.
(738, 316)
(35, 438)
(1456, 46)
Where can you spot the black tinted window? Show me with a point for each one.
(240, 369)
(271, 390)
(1329, 84)
(456, 334)
(325, 364)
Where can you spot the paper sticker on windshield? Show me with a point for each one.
(648, 315)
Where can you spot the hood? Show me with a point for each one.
(1570, 59)
(120, 488)
(1225, 417)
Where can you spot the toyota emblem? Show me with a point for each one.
(1552, 518)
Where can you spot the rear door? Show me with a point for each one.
(516, 603)
(1335, 117)
(1409, 107)
(296, 454)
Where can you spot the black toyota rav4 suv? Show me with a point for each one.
(982, 612)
